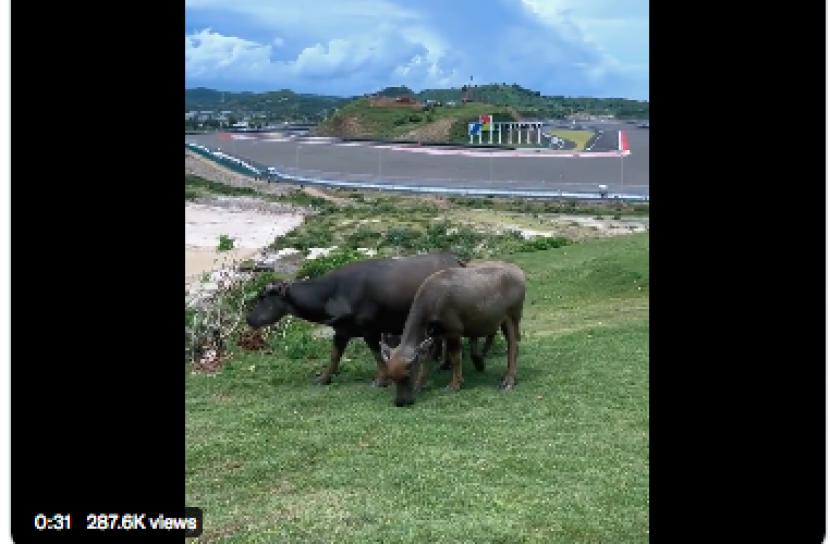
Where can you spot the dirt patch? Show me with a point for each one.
(198, 260)
(435, 132)
(345, 127)
(571, 226)
(251, 341)
(252, 224)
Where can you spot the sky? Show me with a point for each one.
(593, 48)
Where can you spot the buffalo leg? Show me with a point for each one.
(488, 343)
(454, 349)
(337, 348)
(423, 373)
(373, 341)
(475, 355)
(445, 357)
(510, 329)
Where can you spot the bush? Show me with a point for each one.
(363, 237)
(313, 268)
(225, 242)
(308, 236)
(542, 243)
(402, 237)
(295, 339)
(301, 198)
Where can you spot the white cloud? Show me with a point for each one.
(556, 46)
(206, 52)
(327, 18)
(372, 58)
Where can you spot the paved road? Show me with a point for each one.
(363, 161)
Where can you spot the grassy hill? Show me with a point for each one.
(562, 458)
(360, 119)
(520, 102)
(532, 104)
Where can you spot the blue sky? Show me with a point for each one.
(348, 47)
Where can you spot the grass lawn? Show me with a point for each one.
(562, 458)
(579, 137)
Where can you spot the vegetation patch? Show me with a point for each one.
(313, 268)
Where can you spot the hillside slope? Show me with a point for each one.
(562, 458)
(277, 105)
(361, 119)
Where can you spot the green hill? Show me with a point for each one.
(532, 104)
(345, 116)
(283, 105)
(361, 119)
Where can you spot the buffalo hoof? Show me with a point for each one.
(507, 384)
(454, 387)
(479, 363)
(323, 379)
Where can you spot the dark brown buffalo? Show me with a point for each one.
(452, 304)
(362, 299)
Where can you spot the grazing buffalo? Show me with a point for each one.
(451, 304)
(362, 299)
(438, 351)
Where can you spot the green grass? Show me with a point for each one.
(579, 137)
(562, 458)
(195, 187)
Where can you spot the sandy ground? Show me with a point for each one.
(252, 228)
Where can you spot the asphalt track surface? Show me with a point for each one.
(388, 163)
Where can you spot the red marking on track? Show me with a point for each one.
(224, 136)
(624, 141)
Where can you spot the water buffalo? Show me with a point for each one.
(451, 304)
(361, 299)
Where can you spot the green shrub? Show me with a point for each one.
(402, 237)
(311, 234)
(199, 185)
(295, 339)
(225, 242)
(542, 243)
(313, 268)
(363, 237)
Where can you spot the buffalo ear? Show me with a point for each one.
(278, 288)
(424, 346)
(385, 351)
(281, 288)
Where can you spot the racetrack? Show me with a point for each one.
(402, 164)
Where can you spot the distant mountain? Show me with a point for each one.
(283, 105)
(394, 92)
(532, 104)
